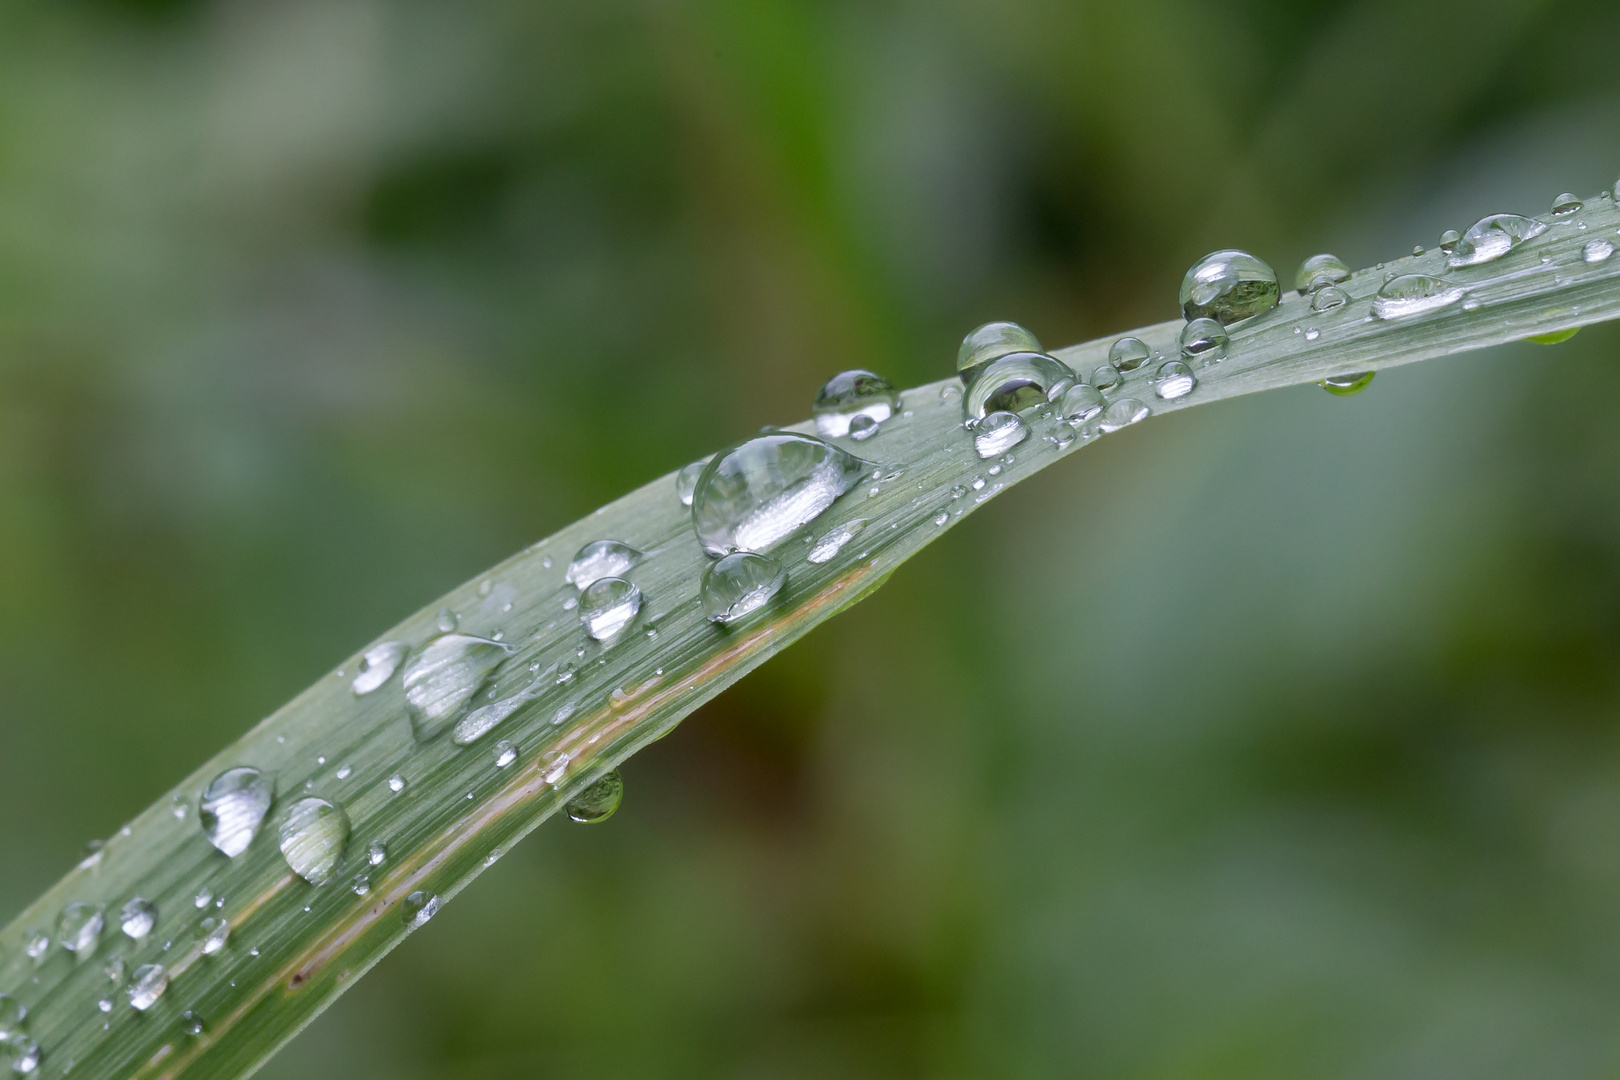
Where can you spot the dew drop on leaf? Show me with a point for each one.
(147, 985)
(599, 559)
(137, 918)
(377, 666)
(598, 801)
(1228, 286)
(738, 584)
(313, 832)
(608, 607)
(990, 342)
(998, 433)
(767, 488)
(850, 395)
(233, 807)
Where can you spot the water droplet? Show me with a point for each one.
(192, 1023)
(1327, 299)
(396, 783)
(991, 342)
(834, 540)
(138, 918)
(1173, 379)
(1417, 250)
(79, 928)
(738, 584)
(115, 971)
(446, 620)
(685, 482)
(1597, 251)
(1414, 294)
(998, 433)
(1015, 383)
(204, 897)
(1320, 271)
(862, 428)
(1106, 377)
(418, 908)
(233, 807)
(608, 607)
(105, 1005)
(313, 833)
(361, 885)
(1493, 236)
(179, 806)
(1228, 286)
(505, 753)
(598, 801)
(23, 1052)
(1450, 241)
(599, 559)
(443, 677)
(1122, 413)
(215, 933)
(852, 394)
(147, 986)
(1565, 204)
(763, 490)
(1557, 337)
(13, 1014)
(1347, 385)
(1204, 341)
(36, 944)
(377, 666)
(1080, 403)
(1129, 353)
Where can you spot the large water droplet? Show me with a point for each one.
(1493, 236)
(998, 433)
(738, 584)
(1596, 251)
(1080, 403)
(990, 342)
(417, 908)
(1414, 294)
(313, 833)
(1129, 353)
(13, 1014)
(79, 928)
(377, 666)
(1228, 286)
(1204, 341)
(1347, 385)
(1016, 382)
(765, 489)
(1566, 204)
(850, 394)
(1173, 379)
(216, 932)
(834, 540)
(442, 678)
(598, 801)
(1320, 271)
(599, 559)
(1122, 413)
(147, 986)
(233, 807)
(23, 1052)
(608, 607)
(138, 917)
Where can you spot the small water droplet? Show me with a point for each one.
(115, 971)
(862, 428)
(1016, 383)
(79, 928)
(1312, 334)
(1173, 380)
(233, 807)
(1493, 236)
(1347, 385)
(1122, 413)
(216, 932)
(1450, 241)
(1329, 298)
(1565, 204)
(686, 482)
(1228, 286)
(313, 832)
(1129, 353)
(1106, 377)
(138, 918)
(203, 898)
(762, 491)
(147, 986)
(998, 433)
(377, 666)
(545, 562)
(505, 753)
(599, 559)
(23, 1053)
(1203, 341)
(192, 1023)
(361, 885)
(991, 342)
(598, 801)
(608, 607)
(1597, 251)
(418, 908)
(738, 584)
(1417, 250)
(36, 943)
(396, 783)
(1320, 271)
(852, 395)
(344, 771)
(446, 620)
(1414, 294)
(443, 677)
(13, 1014)
(105, 1005)
(834, 540)
(179, 806)
(950, 393)
(1080, 403)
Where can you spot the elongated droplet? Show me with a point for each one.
(1122, 413)
(313, 833)
(138, 918)
(1129, 353)
(1203, 341)
(1414, 294)
(850, 394)
(608, 607)
(1080, 403)
(78, 928)
(1347, 385)
(378, 665)
(598, 801)
(1596, 251)
(990, 342)
(1566, 204)
(998, 433)
(834, 540)
(1493, 236)
(1329, 298)
(1320, 271)
(216, 932)
(1228, 286)
(1173, 379)
(1016, 382)
(418, 908)
(23, 1053)
(233, 807)
(1557, 337)
(599, 559)
(443, 678)
(12, 1016)
(764, 490)
(738, 584)
(686, 481)
(147, 986)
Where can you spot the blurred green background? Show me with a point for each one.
(1277, 739)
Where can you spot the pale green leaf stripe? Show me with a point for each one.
(294, 947)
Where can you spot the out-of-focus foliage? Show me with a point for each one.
(1276, 739)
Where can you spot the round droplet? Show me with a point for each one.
(990, 342)
(313, 833)
(686, 481)
(204, 897)
(78, 928)
(998, 433)
(443, 677)
(233, 807)
(36, 943)
(1329, 298)
(1566, 204)
(1347, 385)
(1557, 337)
(1122, 413)
(738, 584)
(598, 801)
(23, 1053)
(862, 428)
(764, 490)
(608, 607)
(1493, 236)
(192, 1023)
(1450, 241)
(1106, 377)
(13, 1015)
(1320, 271)
(396, 783)
(1597, 251)
(1081, 403)
(216, 932)
(1173, 379)
(1228, 286)
(138, 918)
(377, 666)
(834, 540)
(147, 986)
(1204, 341)
(505, 753)
(377, 853)
(1417, 249)
(1129, 353)
(852, 394)
(1414, 294)
(599, 559)
(361, 884)
(1016, 382)
(417, 908)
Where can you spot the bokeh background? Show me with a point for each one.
(1276, 739)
